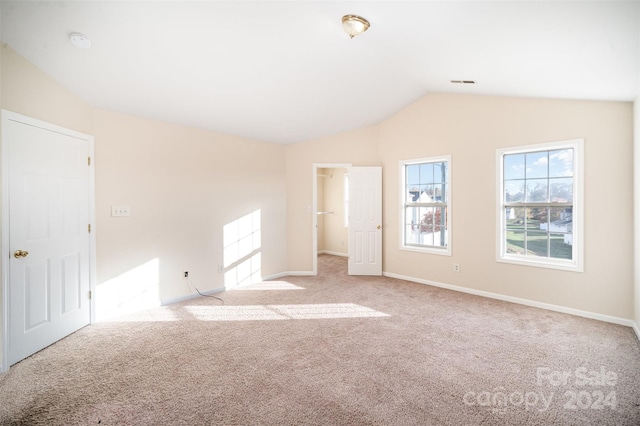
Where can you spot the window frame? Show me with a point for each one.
(576, 264)
(443, 251)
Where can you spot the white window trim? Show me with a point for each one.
(577, 262)
(444, 251)
(345, 195)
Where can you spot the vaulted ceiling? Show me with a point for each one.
(285, 71)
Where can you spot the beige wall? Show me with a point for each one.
(29, 91)
(470, 129)
(358, 147)
(183, 185)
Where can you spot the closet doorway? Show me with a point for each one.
(330, 211)
(347, 216)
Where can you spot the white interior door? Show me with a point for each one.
(365, 221)
(49, 245)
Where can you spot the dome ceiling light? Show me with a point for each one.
(354, 25)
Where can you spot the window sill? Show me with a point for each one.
(442, 252)
(542, 263)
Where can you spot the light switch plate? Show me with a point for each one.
(119, 211)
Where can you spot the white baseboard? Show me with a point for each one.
(333, 253)
(527, 302)
(287, 273)
(190, 296)
(636, 329)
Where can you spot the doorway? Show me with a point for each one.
(347, 216)
(328, 209)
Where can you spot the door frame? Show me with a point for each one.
(314, 206)
(5, 117)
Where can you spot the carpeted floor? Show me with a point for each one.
(333, 350)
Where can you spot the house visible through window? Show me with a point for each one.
(426, 205)
(539, 205)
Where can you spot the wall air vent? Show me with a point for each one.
(464, 82)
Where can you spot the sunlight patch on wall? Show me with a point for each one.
(132, 291)
(242, 241)
(282, 312)
(270, 285)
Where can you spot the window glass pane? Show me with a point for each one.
(537, 219)
(561, 190)
(411, 217)
(426, 173)
(427, 217)
(426, 238)
(411, 235)
(537, 164)
(439, 172)
(412, 225)
(561, 219)
(413, 175)
(426, 194)
(561, 163)
(514, 191)
(537, 243)
(561, 227)
(515, 242)
(561, 246)
(441, 237)
(413, 195)
(438, 193)
(514, 166)
(515, 218)
(537, 190)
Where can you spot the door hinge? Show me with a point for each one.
(89, 228)
(89, 294)
(89, 161)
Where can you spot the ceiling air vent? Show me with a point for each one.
(464, 82)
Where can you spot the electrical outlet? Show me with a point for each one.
(220, 269)
(186, 274)
(456, 267)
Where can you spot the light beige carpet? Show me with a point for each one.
(333, 350)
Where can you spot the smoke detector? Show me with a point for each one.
(80, 40)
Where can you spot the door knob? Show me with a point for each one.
(20, 253)
(379, 226)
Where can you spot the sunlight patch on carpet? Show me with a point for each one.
(282, 312)
(163, 314)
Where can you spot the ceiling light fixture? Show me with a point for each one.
(354, 25)
(80, 40)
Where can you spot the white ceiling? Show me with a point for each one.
(285, 72)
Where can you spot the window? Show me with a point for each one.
(426, 205)
(540, 213)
